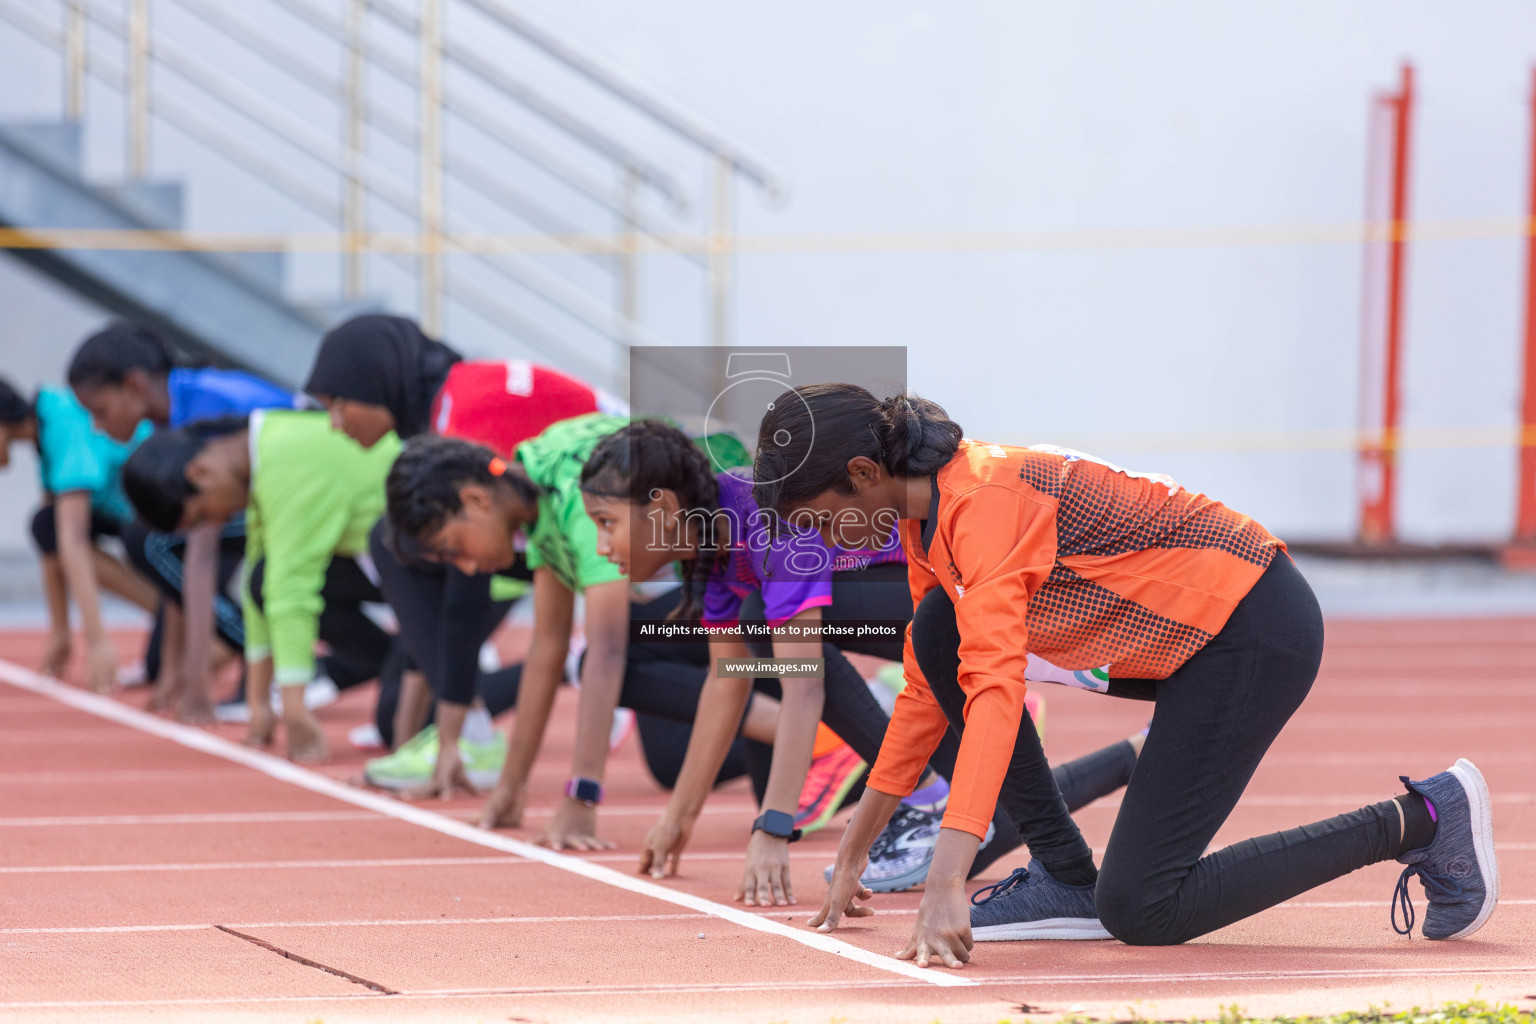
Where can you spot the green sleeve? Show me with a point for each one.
(258, 642)
(306, 519)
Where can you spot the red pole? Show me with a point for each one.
(1525, 518)
(1378, 455)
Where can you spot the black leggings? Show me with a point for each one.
(1213, 721)
(667, 678)
(161, 558)
(45, 530)
(358, 645)
(445, 617)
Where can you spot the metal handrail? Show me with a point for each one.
(30, 22)
(439, 99)
(474, 175)
(526, 272)
(596, 139)
(666, 113)
(171, 109)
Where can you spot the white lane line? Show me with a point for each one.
(781, 985)
(259, 865)
(652, 812)
(285, 771)
(126, 929)
(264, 817)
(1337, 904)
(123, 775)
(231, 818)
(386, 923)
(826, 856)
(1340, 800)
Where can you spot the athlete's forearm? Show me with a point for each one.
(200, 570)
(873, 814)
(602, 677)
(793, 743)
(721, 703)
(72, 520)
(952, 856)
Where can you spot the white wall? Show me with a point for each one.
(916, 116)
(896, 116)
(40, 325)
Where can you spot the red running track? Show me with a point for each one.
(153, 872)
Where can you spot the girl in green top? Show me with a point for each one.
(310, 496)
(467, 506)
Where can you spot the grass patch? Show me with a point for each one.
(1451, 1013)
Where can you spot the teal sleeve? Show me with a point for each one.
(72, 457)
(305, 520)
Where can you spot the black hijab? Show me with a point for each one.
(383, 360)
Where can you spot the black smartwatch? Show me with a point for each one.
(587, 791)
(777, 824)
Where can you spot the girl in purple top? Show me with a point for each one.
(655, 501)
(793, 572)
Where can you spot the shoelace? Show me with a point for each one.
(1434, 884)
(899, 825)
(991, 892)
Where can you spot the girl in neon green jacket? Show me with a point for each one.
(311, 496)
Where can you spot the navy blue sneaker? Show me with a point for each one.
(1458, 869)
(1030, 904)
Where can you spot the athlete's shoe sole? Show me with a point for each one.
(1047, 928)
(1480, 809)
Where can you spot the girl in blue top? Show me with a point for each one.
(82, 501)
(125, 375)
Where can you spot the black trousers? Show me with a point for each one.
(161, 558)
(1213, 720)
(662, 684)
(667, 678)
(359, 646)
(45, 531)
(445, 616)
(881, 593)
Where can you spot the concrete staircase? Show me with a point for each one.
(227, 308)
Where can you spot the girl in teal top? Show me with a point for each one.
(82, 501)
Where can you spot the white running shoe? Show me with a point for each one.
(320, 692)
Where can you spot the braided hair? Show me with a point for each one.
(422, 489)
(810, 433)
(643, 459)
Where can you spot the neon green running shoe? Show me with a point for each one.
(483, 761)
(411, 766)
(408, 767)
(892, 677)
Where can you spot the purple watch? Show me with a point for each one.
(588, 791)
